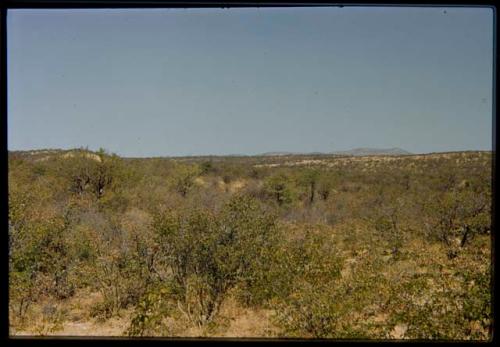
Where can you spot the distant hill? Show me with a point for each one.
(275, 154)
(373, 151)
(352, 152)
(38, 155)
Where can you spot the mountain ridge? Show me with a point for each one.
(361, 151)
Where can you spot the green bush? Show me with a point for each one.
(183, 178)
(305, 302)
(208, 254)
(279, 188)
(151, 311)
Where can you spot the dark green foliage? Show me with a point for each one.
(309, 179)
(279, 188)
(207, 167)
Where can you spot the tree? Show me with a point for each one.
(93, 173)
(310, 179)
(207, 167)
(326, 183)
(458, 216)
(183, 178)
(278, 186)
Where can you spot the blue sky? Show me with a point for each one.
(226, 81)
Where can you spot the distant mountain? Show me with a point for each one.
(373, 151)
(274, 154)
(353, 152)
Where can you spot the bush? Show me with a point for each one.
(461, 311)
(39, 262)
(183, 178)
(455, 217)
(151, 311)
(279, 188)
(306, 303)
(208, 253)
(92, 173)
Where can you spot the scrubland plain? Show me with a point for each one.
(308, 246)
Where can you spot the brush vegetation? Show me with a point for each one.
(274, 246)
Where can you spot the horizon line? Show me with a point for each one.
(267, 153)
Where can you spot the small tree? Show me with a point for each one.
(386, 214)
(93, 173)
(183, 178)
(457, 215)
(310, 179)
(207, 167)
(278, 187)
(326, 184)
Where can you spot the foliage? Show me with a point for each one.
(209, 254)
(279, 188)
(183, 179)
(150, 313)
(391, 248)
(458, 214)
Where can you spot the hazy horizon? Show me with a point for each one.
(177, 82)
(240, 154)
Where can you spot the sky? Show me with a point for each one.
(174, 82)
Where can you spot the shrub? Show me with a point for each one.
(457, 216)
(208, 253)
(92, 173)
(183, 178)
(39, 262)
(150, 312)
(461, 310)
(305, 302)
(309, 179)
(278, 187)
